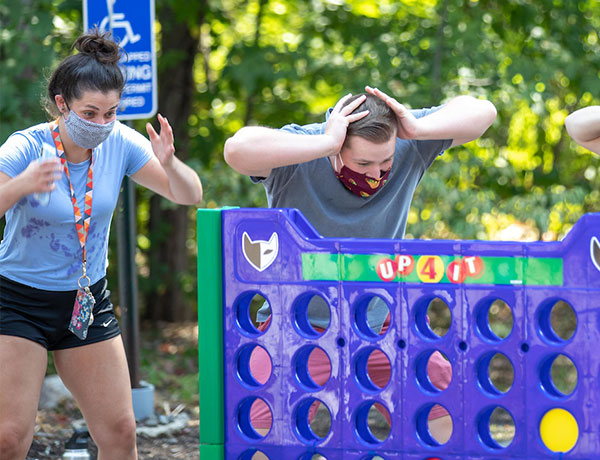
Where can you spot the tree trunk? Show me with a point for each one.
(436, 74)
(168, 228)
(251, 96)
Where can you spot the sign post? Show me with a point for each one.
(132, 26)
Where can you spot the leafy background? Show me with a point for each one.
(225, 64)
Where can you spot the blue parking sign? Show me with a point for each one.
(132, 26)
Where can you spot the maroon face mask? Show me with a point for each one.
(358, 183)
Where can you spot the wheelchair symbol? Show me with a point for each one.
(118, 22)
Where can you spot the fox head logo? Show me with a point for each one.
(595, 252)
(260, 253)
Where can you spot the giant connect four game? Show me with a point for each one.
(521, 386)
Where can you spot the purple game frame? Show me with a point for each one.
(468, 276)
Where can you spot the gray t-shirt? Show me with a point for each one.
(314, 189)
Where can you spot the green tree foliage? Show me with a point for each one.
(537, 61)
(271, 62)
(25, 31)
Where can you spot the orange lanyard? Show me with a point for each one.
(82, 221)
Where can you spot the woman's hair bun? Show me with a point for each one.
(100, 45)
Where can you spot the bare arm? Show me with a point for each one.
(462, 119)
(165, 174)
(255, 151)
(11, 191)
(178, 182)
(583, 126)
(39, 177)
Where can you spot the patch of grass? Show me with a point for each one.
(169, 361)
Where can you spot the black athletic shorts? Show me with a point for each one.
(44, 316)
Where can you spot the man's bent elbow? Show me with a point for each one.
(229, 150)
(571, 125)
(489, 113)
(233, 151)
(199, 195)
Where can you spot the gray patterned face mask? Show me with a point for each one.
(85, 133)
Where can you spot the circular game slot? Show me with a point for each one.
(434, 425)
(440, 318)
(252, 309)
(313, 367)
(254, 417)
(253, 454)
(313, 420)
(254, 365)
(557, 321)
(495, 373)
(373, 369)
(311, 456)
(370, 315)
(312, 315)
(433, 371)
(496, 427)
(494, 319)
(558, 375)
(559, 430)
(373, 422)
(433, 318)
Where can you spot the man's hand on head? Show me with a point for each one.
(408, 125)
(339, 119)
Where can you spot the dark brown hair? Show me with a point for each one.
(95, 67)
(378, 126)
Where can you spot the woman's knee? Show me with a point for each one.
(124, 430)
(14, 441)
(118, 434)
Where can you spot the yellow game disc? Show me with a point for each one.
(559, 430)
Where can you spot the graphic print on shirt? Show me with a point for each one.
(33, 226)
(260, 253)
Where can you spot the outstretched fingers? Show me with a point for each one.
(152, 134)
(165, 139)
(166, 132)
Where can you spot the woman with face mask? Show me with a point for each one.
(59, 185)
(354, 176)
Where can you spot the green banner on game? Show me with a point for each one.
(530, 271)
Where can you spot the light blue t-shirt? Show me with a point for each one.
(40, 247)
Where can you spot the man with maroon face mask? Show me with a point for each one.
(354, 176)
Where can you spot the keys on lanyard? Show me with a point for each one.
(82, 316)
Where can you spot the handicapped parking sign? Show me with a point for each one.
(132, 26)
